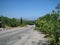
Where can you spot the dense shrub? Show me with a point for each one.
(13, 22)
(49, 24)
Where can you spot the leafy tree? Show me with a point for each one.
(49, 24)
(13, 22)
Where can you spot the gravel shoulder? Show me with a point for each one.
(33, 39)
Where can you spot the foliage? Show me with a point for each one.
(13, 22)
(50, 25)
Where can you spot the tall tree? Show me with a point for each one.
(21, 20)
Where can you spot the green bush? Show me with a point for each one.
(50, 24)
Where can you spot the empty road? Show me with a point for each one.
(22, 36)
(9, 37)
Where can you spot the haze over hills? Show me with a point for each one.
(27, 9)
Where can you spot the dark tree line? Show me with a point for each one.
(13, 22)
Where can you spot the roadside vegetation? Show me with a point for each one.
(49, 24)
(13, 22)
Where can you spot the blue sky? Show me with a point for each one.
(27, 9)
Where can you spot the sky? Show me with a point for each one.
(27, 9)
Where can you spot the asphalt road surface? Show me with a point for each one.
(10, 37)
